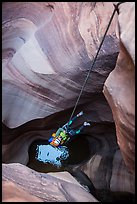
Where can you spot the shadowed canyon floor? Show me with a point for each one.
(79, 153)
(101, 142)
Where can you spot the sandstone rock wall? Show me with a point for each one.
(48, 49)
(119, 87)
(32, 186)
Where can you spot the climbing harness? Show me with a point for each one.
(115, 9)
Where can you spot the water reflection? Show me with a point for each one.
(52, 155)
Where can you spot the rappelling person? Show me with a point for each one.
(64, 134)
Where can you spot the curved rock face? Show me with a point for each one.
(47, 51)
(46, 57)
(119, 87)
(48, 188)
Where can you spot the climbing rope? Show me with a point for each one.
(115, 9)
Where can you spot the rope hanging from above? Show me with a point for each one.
(115, 9)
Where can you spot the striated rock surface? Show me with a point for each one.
(11, 192)
(38, 187)
(119, 87)
(46, 57)
(47, 50)
(107, 170)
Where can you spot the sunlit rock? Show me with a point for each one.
(46, 57)
(37, 186)
(11, 192)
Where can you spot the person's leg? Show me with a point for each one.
(76, 132)
(72, 132)
(72, 120)
(81, 127)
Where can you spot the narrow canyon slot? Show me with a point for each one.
(68, 101)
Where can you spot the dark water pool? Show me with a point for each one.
(45, 158)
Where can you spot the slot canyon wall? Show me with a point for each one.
(47, 50)
(122, 102)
